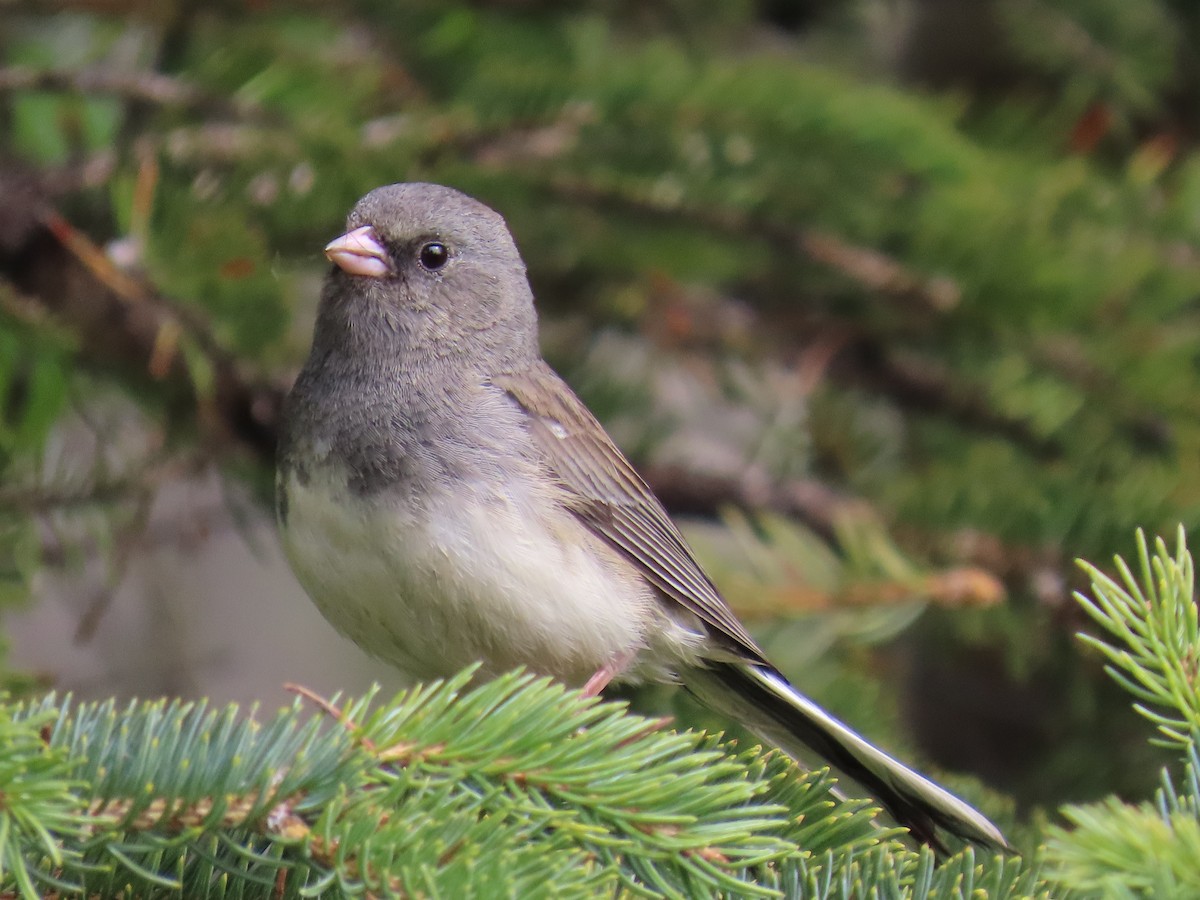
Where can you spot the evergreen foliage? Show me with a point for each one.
(1149, 849)
(935, 297)
(514, 788)
(521, 788)
(1156, 657)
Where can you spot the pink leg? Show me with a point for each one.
(607, 672)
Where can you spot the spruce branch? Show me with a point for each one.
(1144, 850)
(39, 810)
(882, 875)
(1148, 849)
(517, 787)
(1153, 649)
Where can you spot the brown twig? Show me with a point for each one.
(326, 706)
(126, 541)
(332, 711)
(976, 558)
(922, 385)
(141, 86)
(866, 266)
(686, 491)
(38, 498)
(878, 272)
(123, 325)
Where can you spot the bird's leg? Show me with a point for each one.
(607, 672)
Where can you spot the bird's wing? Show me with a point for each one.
(610, 497)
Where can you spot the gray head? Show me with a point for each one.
(426, 271)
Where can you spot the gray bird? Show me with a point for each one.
(446, 499)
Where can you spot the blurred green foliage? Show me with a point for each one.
(956, 285)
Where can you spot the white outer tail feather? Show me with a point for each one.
(877, 770)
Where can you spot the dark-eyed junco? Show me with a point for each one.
(446, 499)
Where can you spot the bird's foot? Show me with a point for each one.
(607, 672)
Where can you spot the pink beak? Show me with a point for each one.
(359, 252)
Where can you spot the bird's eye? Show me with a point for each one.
(434, 256)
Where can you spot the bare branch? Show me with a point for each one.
(868, 267)
(142, 86)
(122, 324)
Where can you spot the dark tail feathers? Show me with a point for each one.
(763, 700)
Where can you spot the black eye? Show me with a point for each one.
(434, 256)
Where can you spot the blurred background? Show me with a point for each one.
(894, 302)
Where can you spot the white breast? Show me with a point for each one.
(477, 576)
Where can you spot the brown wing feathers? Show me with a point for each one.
(617, 504)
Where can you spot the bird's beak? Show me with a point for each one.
(359, 252)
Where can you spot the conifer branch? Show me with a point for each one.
(515, 788)
(1152, 644)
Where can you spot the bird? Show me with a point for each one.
(446, 500)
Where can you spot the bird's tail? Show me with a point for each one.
(762, 699)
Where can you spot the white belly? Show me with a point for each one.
(474, 577)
